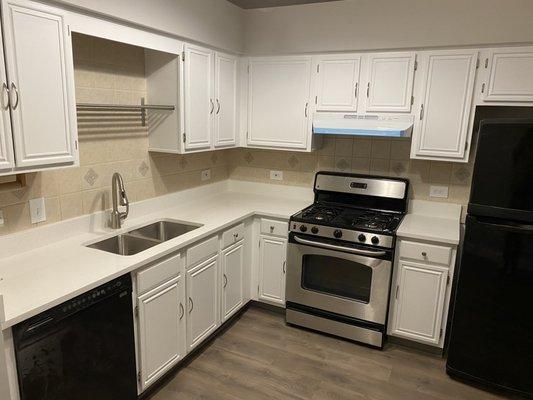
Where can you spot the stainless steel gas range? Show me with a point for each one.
(340, 255)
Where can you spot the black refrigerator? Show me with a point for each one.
(491, 340)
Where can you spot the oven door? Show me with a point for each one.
(349, 281)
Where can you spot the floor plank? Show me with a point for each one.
(259, 357)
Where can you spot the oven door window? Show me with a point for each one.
(337, 277)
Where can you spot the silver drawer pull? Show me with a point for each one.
(182, 311)
(284, 266)
(5, 96)
(341, 248)
(225, 281)
(271, 229)
(191, 304)
(15, 90)
(424, 254)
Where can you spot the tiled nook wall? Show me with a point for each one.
(107, 72)
(376, 156)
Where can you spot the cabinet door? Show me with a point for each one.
(199, 102)
(40, 70)
(232, 279)
(161, 333)
(420, 294)
(202, 300)
(338, 81)
(390, 82)
(272, 264)
(448, 87)
(225, 100)
(6, 139)
(278, 109)
(511, 75)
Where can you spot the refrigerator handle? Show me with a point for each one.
(519, 228)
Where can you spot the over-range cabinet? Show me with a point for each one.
(491, 338)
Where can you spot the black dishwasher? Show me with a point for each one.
(83, 349)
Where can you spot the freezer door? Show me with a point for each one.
(503, 171)
(491, 336)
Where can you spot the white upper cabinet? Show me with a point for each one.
(199, 97)
(41, 84)
(225, 100)
(447, 85)
(337, 82)
(278, 102)
(420, 296)
(511, 75)
(7, 161)
(389, 85)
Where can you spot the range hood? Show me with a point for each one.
(362, 125)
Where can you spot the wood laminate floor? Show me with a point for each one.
(259, 357)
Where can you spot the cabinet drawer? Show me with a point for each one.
(232, 235)
(152, 276)
(425, 252)
(273, 227)
(202, 251)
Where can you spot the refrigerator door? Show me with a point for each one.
(503, 171)
(491, 337)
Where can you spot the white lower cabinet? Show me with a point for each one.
(202, 301)
(272, 268)
(232, 261)
(161, 323)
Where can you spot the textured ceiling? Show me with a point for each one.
(273, 3)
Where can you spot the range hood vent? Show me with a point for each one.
(362, 125)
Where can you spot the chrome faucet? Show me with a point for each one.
(117, 189)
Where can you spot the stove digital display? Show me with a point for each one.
(358, 185)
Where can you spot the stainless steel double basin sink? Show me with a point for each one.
(140, 239)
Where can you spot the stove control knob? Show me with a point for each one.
(362, 238)
(303, 228)
(337, 233)
(375, 240)
(314, 230)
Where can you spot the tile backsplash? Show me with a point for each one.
(107, 72)
(376, 156)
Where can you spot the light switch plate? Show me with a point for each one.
(206, 174)
(37, 210)
(276, 175)
(438, 191)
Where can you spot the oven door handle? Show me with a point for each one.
(340, 248)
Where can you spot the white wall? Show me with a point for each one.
(214, 22)
(386, 24)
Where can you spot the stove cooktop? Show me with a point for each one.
(350, 218)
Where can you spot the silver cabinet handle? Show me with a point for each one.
(15, 90)
(424, 254)
(235, 235)
(306, 106)
(368, 90)
(341, 248)
(182, 311)
(355, 90)
(397, 290)
(212, 106)
(271, 229)
(218, 106)
(5, 95)
(191, 304)
(421, 111)
(225, 281)
(284, 266)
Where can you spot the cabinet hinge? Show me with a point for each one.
(440, 335)
(136, 311)
(259, 244)
(183, 56)
(316, 99)
(416, 65)
(248, 69)
(139, 377)
(412, 100)
(68, 29)
(258, 289)
(477, 63)
(318, 68)
(76, 144)
(184, 137)
(466, 146)
(486, 63)
(448, 280)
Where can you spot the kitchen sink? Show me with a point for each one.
(164, 230)
(140, 239)
(125, 245)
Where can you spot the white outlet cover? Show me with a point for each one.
(438, 191)
(206, 174)
(37, 210)
(276, 175)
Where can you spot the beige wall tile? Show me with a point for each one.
(379, 166)
(400, 149)
(380, 148)
(361, 165)
(362, 147)
(71, 205)
(440, 172)
(343, 147)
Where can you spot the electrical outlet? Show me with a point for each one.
(2, 221)
(438, 191)
(206, 174)
(37, 210)
(276, 175)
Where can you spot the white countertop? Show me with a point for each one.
(432, 221)
(39, 279)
